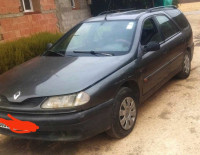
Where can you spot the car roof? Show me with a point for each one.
(127, 14)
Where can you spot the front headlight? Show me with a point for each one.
(67, 101)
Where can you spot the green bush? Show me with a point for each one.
(16, 52)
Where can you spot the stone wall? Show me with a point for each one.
(68, 16)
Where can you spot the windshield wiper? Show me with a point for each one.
(58, 53)
(95, 53)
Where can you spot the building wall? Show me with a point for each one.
(14, 23)
(68, 16)
(9, 6)
(48, 15)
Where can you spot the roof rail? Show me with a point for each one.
(115, 11)
(132, 9)
(161, 7)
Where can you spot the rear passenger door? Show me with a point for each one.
(173, 45)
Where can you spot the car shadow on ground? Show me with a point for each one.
(17, 146)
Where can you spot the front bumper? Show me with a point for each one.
(65, 127)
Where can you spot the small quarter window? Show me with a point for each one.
(168, 28)
(27, 5)
(179, 18)
(150, 32)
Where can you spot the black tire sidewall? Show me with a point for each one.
(117, 129)
(183, 74)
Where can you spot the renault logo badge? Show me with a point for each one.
(17, 95)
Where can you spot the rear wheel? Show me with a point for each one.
(186, 67)
(124, 114)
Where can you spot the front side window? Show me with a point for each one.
(27, 5)
(168, 28)
(150, 33)
(104, 36)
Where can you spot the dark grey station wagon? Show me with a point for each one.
(93, 79)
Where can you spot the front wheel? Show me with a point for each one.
(124, 114)
(186, 67)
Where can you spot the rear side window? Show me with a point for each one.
(168, 28)
(178, 17)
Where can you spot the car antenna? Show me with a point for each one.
(108, 9)
(106, 16)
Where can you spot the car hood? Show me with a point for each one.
(49, 76)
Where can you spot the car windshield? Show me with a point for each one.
(108, 37)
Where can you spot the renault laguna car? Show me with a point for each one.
(93, 79)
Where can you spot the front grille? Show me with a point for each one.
(3, 99)
(32, 102)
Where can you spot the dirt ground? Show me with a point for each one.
(185, 7)
(168, 123)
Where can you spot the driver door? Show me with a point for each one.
(152, 61)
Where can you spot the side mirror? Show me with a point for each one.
(152, 46)
(49, 45)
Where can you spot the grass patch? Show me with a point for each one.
(16, 52)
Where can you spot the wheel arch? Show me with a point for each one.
(133, 85)
(188, 49)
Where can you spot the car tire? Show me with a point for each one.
(186, 67)
(124, 114)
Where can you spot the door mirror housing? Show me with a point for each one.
(49, 45)
(152, 46)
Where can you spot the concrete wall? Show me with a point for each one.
(68, 16)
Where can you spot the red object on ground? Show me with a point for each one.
(18, 126)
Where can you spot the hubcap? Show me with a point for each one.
(187, 64)
(127, 113)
